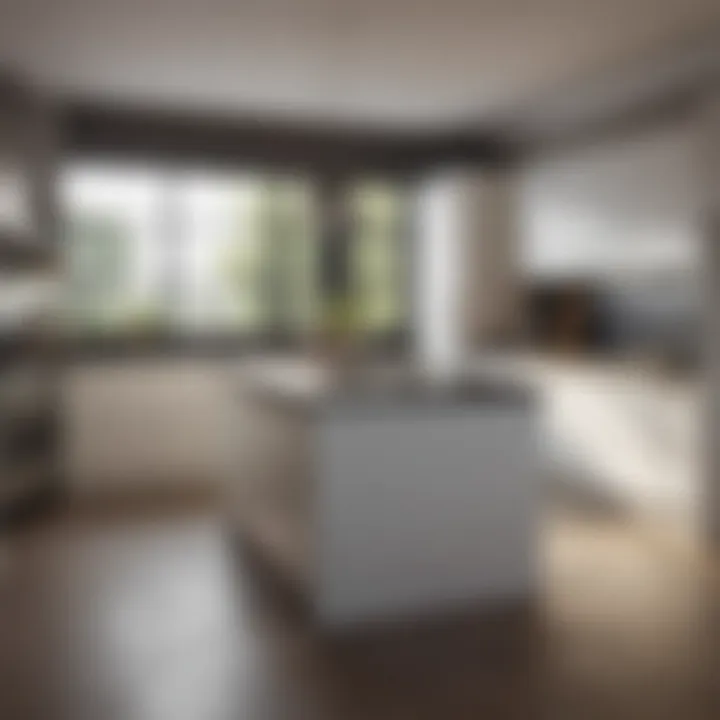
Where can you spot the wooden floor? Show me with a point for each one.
(153, 614)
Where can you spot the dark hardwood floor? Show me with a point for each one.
(154, 613)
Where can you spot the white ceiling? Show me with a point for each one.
(409, 63)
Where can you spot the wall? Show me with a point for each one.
(711, 316)
(466, 283)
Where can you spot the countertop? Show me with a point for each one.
(308, 385)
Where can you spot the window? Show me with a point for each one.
(378, 256)
(191, 253)
(113, 243)
(188, 252)
(249, 254)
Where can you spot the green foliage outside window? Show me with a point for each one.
(100, 269)
(377, 257)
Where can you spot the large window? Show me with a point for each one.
(188, 252)
(158, 251)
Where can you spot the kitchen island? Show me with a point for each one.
(388, 497)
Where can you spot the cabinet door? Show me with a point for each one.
(141, 424)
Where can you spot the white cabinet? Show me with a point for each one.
(141, 424)
(384, 504)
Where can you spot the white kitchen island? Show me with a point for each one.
(388, 499)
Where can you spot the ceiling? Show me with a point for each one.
(411, 64)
